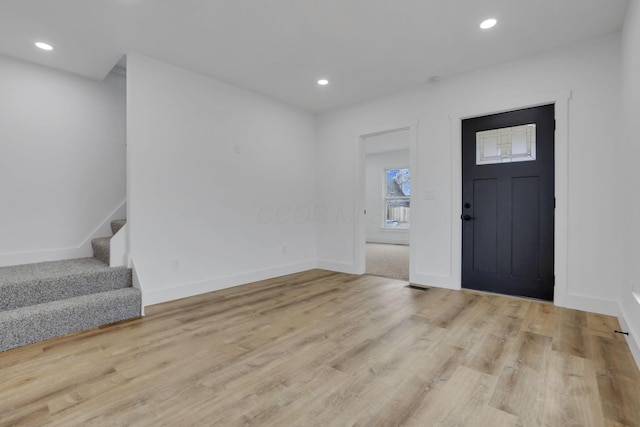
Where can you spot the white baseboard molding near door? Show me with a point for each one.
(629, 319)
(431, 280)
(594, 305)
(338, 267)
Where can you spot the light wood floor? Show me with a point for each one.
(328, 349)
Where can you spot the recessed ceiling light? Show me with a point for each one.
(44, 46)
(488, 23)
(323, 82)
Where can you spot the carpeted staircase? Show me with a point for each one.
(44, 300)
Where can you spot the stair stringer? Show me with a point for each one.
(137, 283)
(119, 248)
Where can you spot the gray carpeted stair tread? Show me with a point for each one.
(102, 249)
(117, 224)
(41, 284)
(40, 270)
(35, 323)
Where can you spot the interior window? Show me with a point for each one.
(397, 199)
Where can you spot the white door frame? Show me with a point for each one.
(561, 152)
(360, 223)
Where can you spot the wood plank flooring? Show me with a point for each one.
(329, 349)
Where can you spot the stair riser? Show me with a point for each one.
(16, 295)
(28, 325)
(102, 249)
(117, 224)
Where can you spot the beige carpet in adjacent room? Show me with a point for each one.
(388, 261)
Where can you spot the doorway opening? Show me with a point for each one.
(387, 260)
(387, 203)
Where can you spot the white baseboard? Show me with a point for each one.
(82, 250)
(389, 240)
(630, 321)
(430, 280)
(337, 267)
(184, 290)
(594, 305)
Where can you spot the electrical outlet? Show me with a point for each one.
(175, 264)
(284, 249)
(236, 148)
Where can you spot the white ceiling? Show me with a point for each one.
(366, 48)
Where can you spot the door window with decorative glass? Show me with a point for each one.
(397, 200)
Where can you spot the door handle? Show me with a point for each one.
(467, 217)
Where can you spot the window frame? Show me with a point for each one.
(405, 226)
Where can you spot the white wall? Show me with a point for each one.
(588, 131)
(630, 179)
(222, 183)
(376, 164)
(62, 162)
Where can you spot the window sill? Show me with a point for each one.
(395, 229)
